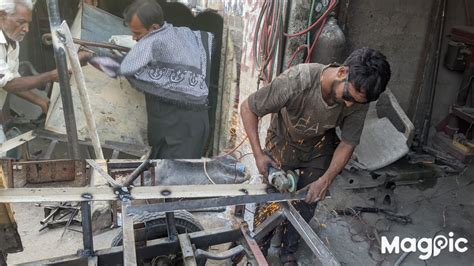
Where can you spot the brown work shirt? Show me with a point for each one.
(303, 126)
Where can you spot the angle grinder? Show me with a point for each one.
(282, 181)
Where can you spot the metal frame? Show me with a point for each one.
(202, 196)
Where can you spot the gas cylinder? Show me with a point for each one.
(331, 46)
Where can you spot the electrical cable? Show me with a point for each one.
(326, 13)
(308, 46)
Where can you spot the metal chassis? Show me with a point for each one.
(198, 240)
(190, 244)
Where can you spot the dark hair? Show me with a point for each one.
(369, 71)
(148, 11)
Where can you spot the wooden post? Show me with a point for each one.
(10, 241)
(101, 210)
(81, 87)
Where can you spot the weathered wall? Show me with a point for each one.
(249, 75)
(448, 82)
(398, 29)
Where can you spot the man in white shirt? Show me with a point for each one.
(15, 16)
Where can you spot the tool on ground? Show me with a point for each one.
(402, 219)
(58, 215)
(281, 180)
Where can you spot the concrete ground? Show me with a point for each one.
(48, 243)
(438, 209)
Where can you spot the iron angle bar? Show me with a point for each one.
(313, 241)
(215, 202)
(55, 194)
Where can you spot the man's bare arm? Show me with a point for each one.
(31, 82)
(341, 156)
(250, 122)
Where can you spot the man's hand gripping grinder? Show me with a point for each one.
(283, 181)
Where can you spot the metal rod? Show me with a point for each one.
(434, 78)
(228, 254)
(214, 202)
(87, 238)
(399, 261)
(153, 248)
(268, 225)
(252, 244)
(136, 173)
(66, 95)
(187, 250)
(171, 226)
(47, 40)
(312, 240)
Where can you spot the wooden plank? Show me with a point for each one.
(129, 252)
(17, 195)
(17, 141)
(82, 89)
(101, 210)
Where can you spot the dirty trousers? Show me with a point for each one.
(176, 132)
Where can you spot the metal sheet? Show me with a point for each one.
(37, 172)
(119, 110)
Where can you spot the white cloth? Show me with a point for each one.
(9, 62)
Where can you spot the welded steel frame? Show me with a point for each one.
(171, 245)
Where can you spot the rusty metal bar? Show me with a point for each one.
(136, 173)
(256, 251)
(268, 225)
(66, 95)
(46, 38)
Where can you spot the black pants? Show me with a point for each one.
(176, 132)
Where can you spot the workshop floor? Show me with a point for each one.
(48, 243)
(445, 206)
